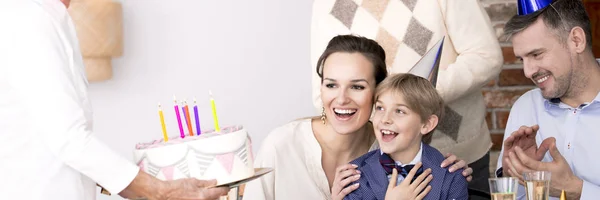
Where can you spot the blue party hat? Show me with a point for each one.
(429, 64)
(526, 7)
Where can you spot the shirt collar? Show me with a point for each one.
(555, 102)
(414, 161)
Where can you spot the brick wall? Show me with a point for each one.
(504, 90)
(593, 10)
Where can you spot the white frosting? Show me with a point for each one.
(225, 156)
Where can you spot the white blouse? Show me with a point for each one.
(295, 155)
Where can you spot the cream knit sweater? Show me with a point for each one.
(407, 29)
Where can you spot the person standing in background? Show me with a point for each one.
(47, 146)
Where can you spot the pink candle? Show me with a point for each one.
(182, 134)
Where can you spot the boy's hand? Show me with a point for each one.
(407, 190)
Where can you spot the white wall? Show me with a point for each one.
(253, 55)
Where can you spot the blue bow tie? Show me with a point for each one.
(389, 164)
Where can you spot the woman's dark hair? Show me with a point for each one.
(356, 44)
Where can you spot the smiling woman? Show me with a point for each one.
(349, 77)
(308, 151)
(346, 95)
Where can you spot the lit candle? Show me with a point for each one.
(214, 111)
(198, 130)
(188, 121)
(162, 123)
(178, 118)
(183, 113)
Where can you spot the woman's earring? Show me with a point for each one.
(323, 115)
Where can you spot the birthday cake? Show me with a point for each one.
(225, 155)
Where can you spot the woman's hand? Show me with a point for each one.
(407, 190)
(344, 175)
(451, 158)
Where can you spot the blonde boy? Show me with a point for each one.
(407, 110)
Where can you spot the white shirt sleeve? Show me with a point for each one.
(589, 190)
(47, 75)
(479, 57)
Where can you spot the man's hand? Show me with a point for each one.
(144, 185)
(451, 158)
(561, 173)
(523, 138)
(192, 188)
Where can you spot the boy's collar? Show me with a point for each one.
(414, 161)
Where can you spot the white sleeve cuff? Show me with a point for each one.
(103, 165)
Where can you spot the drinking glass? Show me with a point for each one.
(504, 188)
(537, 185)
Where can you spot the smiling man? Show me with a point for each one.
(561, 116)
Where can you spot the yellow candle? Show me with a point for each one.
(214, 111)
(162, 123)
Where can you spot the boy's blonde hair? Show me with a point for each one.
(420, 95)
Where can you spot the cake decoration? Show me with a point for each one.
(222, 154)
